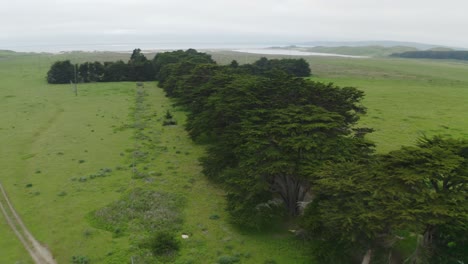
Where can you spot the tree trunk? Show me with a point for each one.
(291, 190)
(367, 257)
(428, 236)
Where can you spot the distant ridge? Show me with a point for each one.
(384, 43)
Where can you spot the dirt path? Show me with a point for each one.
(39, 253)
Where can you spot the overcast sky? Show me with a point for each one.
(47, 22)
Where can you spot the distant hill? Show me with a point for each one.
(441, 49)
(420, 46)
(373, 51)
(370, 51)
(434, 54)
(6, 52)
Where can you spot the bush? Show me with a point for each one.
(214, 217)
(163, 244)
(153, 210)
(80, 260)
(170, 122)
(228, 259)
(168, 115)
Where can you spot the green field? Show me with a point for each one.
(52, 142)
(406, 98)
(52, 139)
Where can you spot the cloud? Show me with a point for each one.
(416, 20)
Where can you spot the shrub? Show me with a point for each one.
(80, 260)
(214, 217)
(169, 122)
(168, 115)
(228, 259)
(163, 243)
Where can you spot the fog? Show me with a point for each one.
(46, 23)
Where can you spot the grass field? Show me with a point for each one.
(407, 99)
(53, 143)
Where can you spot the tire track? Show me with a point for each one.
(39, 253)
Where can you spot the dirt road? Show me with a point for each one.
(39, 253)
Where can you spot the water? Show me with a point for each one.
(126, 47)
(254, 48)
(294, 53)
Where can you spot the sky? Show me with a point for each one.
(41, 23)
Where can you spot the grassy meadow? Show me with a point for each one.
(55, 146)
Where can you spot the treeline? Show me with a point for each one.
(139, 68)
(289, 149)
(434, 54)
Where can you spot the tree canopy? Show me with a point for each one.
(61, 72)
(138, 68)
(279, 143)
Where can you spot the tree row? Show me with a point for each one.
(289, 150)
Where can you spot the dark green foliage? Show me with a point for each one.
(115, 71)
(433, 177)
(355, 210)
(190, 56)
(80, 260)
(137, 57)
(138, 68)
(162, 244)
(268, 129)
(214, 217)
(91, 72)
(363, 204)
(61, 72)
(168, 115)
(275, 141)
(234, 64)
(228, 260)
(169, 119)
(295, 67)
(450, 245)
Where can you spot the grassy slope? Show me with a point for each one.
(405, 98)
(46, 131)
(374, 51)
